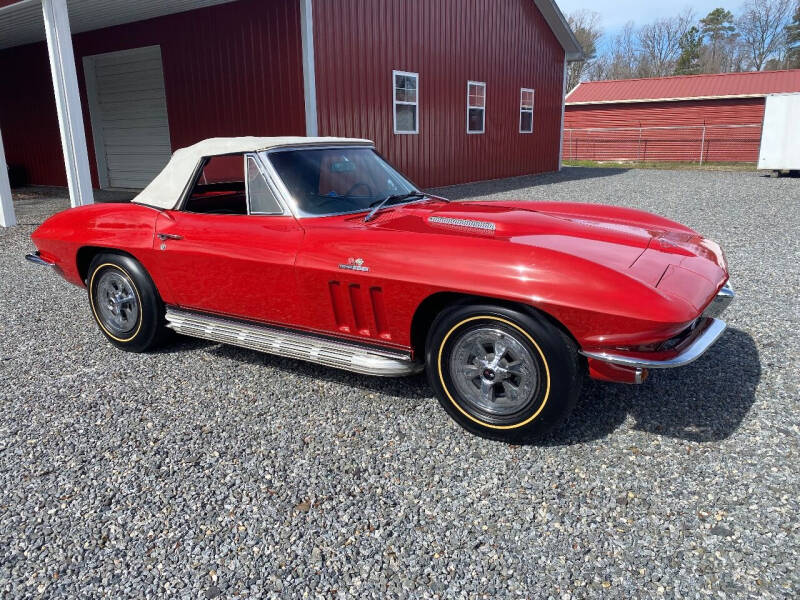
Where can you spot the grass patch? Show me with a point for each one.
(672, 166)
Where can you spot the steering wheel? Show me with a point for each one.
(357, 185)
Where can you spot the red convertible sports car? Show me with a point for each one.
(317, 249)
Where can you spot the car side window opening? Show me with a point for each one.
(526, 110)
(476, 107)
(337, 180)
(219, 187)
(260, 198)
(406, 102)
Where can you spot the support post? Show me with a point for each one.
(309, 70)
(702, 145)
(563, 110)
(68, 101)
(7, 217)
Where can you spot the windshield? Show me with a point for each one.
(338, 180)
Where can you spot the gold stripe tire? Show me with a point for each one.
(555, 355)
(149, 329)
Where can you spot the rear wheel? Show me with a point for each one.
(500, 373)
(125, 302)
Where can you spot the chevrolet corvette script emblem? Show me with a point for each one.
(354, 264)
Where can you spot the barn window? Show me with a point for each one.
(526, 111)
(476, 107)
(406, 102)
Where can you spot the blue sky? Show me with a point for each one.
(615, 13)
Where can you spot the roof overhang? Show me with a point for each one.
(21, 21)
(686, 99)
(561, 29)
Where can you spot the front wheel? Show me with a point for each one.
(500, 373)
(125, 302)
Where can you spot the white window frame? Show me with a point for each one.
(483, 108)
(396, 102)
(523, 109)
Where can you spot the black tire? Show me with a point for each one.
(134, 325)
(532, 389)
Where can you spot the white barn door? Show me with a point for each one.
(128, 110)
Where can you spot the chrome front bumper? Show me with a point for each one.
(722, 300)
(710, 329)
(38, 260)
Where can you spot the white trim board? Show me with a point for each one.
(68, 101)
(7, 216)
(309, 68)
(677, 99)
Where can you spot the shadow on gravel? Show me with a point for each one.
(496, 186)
(702, 402)
(412, 388)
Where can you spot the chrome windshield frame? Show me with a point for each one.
(290, 201)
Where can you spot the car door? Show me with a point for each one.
(231, 249)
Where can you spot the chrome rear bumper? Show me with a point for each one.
(38, 260)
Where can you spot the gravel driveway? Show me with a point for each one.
(208, 471)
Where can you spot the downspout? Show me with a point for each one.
(309, 72)
(563, 110)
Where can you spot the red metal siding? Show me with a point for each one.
(28, 118)
(232, 69)
(688, 86)
(505, 43)
(669, 130)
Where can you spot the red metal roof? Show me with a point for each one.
(686, 87)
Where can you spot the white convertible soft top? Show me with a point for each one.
(166, 189)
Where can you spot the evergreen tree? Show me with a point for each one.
(718, 27)
(793, 40)
(690, 44)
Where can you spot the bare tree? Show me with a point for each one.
(761, 26)
(585, 25)
(624, 59)
(660, 42)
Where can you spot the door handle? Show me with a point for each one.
(169, 236)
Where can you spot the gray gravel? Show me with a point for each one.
(208, 471)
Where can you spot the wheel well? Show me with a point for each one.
(87, 253)
(430, 308)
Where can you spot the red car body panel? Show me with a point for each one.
(613, 277)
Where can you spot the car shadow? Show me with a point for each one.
(702, 402)
(414, 387)
(496, 186)
(705, 401)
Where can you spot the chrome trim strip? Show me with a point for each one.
(289, 344)
(691, 353)
(38, 260)
(484, 225)
(720, 302)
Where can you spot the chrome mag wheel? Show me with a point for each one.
(116, 301)
(493, 372)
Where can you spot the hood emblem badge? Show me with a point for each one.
(470, 223)
(354, 264)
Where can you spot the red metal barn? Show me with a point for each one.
(698, 118)
(451, 91)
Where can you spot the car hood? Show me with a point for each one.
(644, 246)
